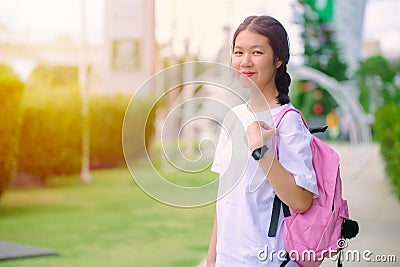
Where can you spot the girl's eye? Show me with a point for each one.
(258, 52)
(237, 52)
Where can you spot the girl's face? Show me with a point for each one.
(253, 57)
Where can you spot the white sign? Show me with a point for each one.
(129, 44)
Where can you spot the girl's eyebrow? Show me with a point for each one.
(252, 47)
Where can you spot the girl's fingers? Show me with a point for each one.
(267, 134)
(265, 125)
(258, 132)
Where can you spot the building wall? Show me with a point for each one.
(129, 45)
(348, 22)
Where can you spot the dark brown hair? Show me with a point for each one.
(279, 42)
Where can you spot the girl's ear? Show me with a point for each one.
(278, 63)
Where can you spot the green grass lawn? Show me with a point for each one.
(109, 222)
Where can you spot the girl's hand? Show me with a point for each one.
(258, 133)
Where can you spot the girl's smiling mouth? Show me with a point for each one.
(248, 73)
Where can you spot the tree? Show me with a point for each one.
(321, 52)
(376, 78)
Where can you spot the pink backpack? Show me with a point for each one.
(320, 231)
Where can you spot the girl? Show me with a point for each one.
(243, 213)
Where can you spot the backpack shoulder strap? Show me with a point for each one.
(276, 210)
(278, 120)
(283, 112)
(277, 202)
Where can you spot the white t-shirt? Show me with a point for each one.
(245, 197)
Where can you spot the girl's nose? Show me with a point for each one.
(246, 61)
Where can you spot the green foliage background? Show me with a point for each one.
(376, 79)
(387, 131)
(11, 93)
(44, 120)
(51, 133)
(321, 52)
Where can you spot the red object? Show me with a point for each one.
(318, 109)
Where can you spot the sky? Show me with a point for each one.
(382, 22)
(45, 20)
(207, 18)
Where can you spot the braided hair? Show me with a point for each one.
(279, 42)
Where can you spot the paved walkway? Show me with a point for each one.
(372, 203)
(9, 250)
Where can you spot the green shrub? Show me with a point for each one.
(106, 121)
(51, 136)
(106, 117)
(387, 132)
(51, 132)
(53, 77)
(11, 92)
(375, 79)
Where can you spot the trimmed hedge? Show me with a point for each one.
(387, 132)
(107, 113)
(51, 133)
(11, 93)
(51, 136)
(106, 118)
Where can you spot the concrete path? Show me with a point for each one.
(9, 251)
(373, 204)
